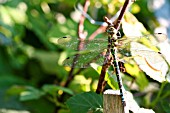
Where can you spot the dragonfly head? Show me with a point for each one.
(112, 32)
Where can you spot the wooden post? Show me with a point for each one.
(112, 102)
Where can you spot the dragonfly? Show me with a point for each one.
(95, 51)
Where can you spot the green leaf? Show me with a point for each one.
(38, 24)
(47, 59)
(91, 73)
(15, 90)
(7, 80)
(141, 79)
(68, 28)
(166, 106)
(88, 102)
(52, 89)
(96, 67)
(12, 3)
(30, 94)
(63, 111)
(111, 79)
(40, 106)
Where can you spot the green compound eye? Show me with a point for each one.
(111, 30)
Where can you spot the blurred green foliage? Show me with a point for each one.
(31, 75)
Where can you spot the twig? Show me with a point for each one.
(81, 36)
(118, 22)
(101, 82)
(101, 29)
(107, 60)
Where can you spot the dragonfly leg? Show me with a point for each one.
(121, 66)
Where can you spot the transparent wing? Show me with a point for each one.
(84, 60)
(85, 45)
(94, 51)
(152, 39)
(91, 51)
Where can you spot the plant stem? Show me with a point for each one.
(158, 97)
(81, 36)
(101, 82)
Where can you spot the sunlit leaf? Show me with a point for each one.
(131, 26)
(140, 78)
(151, 62)
(91, 73)
(81, 83)
(13, 111)
(135, 8)
(112, 79)
(96, 67)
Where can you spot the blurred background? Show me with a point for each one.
(31, 74)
